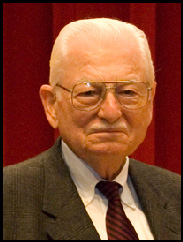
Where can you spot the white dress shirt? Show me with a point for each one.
(96, 205)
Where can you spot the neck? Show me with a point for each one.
(108, 168)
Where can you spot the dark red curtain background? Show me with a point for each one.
(29, 31)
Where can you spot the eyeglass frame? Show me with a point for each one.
(85, 81)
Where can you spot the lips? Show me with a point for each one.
(106, 130)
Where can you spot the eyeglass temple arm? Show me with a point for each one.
(64, 88)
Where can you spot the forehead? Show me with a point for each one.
(104, 61)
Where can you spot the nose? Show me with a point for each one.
(110, 108)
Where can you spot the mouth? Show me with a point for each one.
(106, 130)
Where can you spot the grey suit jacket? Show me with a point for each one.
(41, 201)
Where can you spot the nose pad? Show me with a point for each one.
(110, 108)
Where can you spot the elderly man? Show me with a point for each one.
(86, 187)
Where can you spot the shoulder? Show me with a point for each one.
(31, 167)
(152, 170)
(25, 170)
(27, 178)
(155, 177)
(22, 183)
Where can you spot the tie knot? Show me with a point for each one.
(110, 189)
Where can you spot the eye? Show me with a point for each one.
(128, 93)
(90, 93)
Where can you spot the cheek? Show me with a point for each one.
(72, 125)
(138, 124)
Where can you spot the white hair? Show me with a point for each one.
(98, 30)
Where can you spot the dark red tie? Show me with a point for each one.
(118, 225)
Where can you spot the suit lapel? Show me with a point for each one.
(156, 206)
(72, 223)
(66, 217)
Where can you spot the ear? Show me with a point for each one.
(150, 104)
(49, 103)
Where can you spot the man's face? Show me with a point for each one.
(109, 129)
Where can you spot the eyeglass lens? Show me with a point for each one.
(89, 95)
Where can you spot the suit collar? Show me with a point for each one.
(66, 215)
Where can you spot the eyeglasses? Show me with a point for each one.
(87, 96)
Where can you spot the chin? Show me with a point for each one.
(108, 149)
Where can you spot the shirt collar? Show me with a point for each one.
(85, 178)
